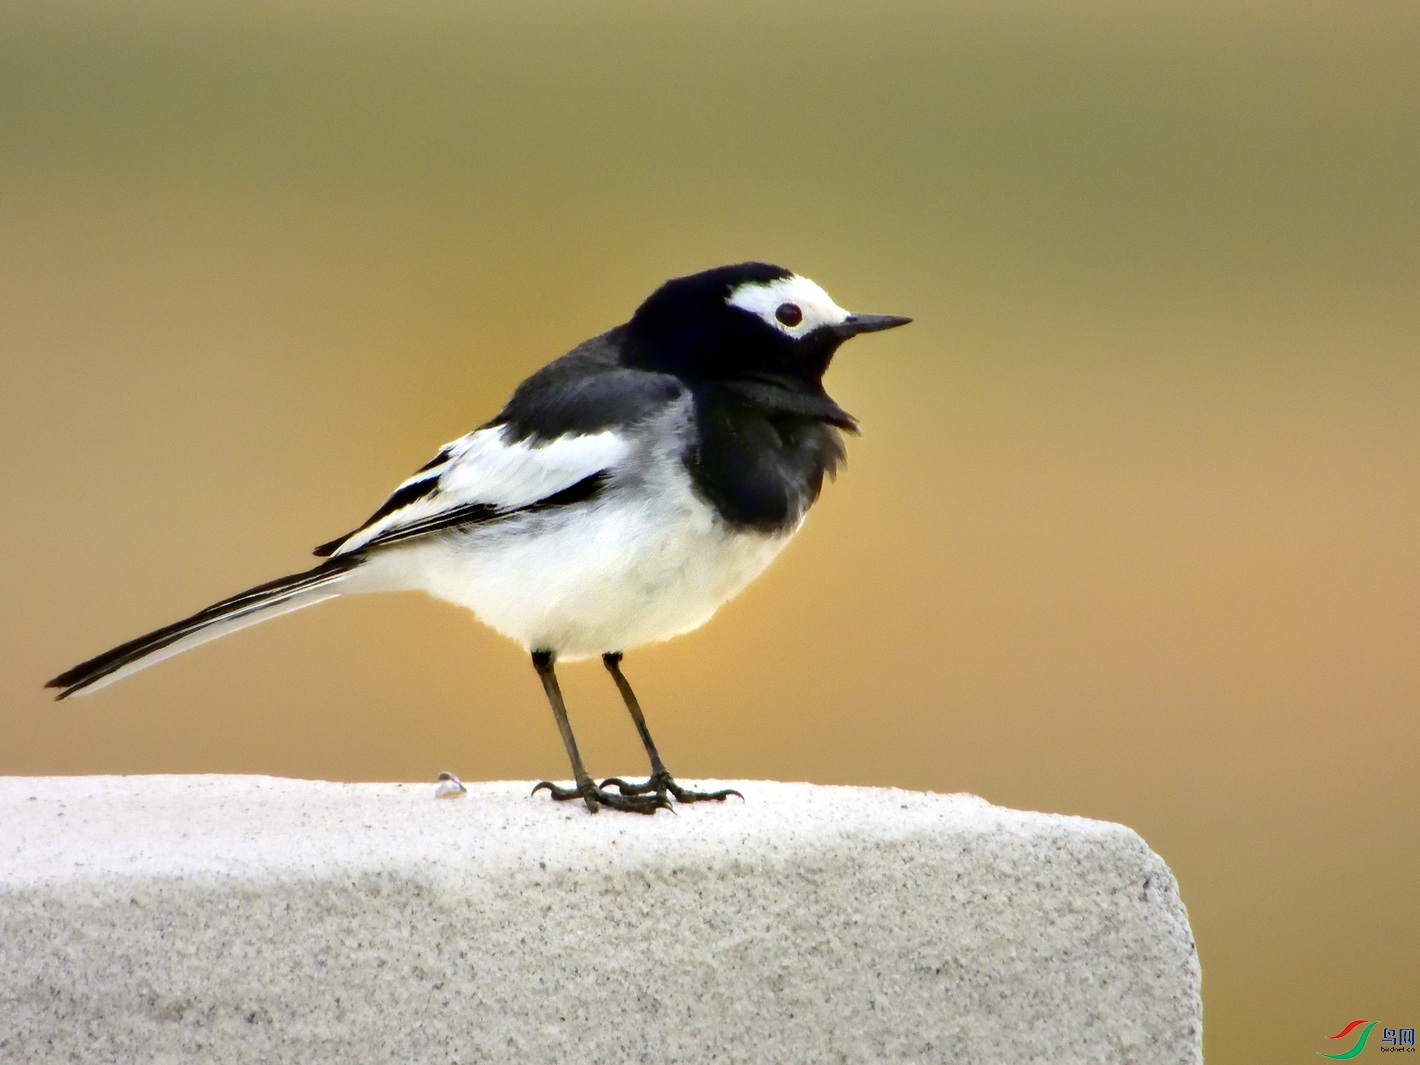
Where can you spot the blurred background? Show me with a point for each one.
(1131, 531)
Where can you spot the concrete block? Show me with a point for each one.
(252, 919)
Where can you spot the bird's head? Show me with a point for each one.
(746, 320)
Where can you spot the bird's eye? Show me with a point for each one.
(789, 314)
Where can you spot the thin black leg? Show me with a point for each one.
(585, 788)
(661, 781)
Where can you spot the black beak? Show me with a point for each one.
(867, 323)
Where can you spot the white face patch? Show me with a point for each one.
(776, 301)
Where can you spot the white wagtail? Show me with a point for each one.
(624, 493)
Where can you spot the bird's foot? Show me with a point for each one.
(597, 797)
(662, 784)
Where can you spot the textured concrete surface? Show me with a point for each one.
(262, 920)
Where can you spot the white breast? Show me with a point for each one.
(644, 561)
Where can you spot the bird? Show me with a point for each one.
(624, 493)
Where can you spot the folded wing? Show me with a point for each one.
(482, 477)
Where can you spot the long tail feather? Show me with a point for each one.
(254, 605)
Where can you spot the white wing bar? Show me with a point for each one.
(483, 468)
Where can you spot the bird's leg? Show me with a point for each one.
(661, 781)
(585, 788)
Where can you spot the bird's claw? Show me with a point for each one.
(597, 797)
(663, 783)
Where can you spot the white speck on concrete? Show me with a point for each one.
(217, 919)
(449, 787)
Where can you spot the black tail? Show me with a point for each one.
(265, 601)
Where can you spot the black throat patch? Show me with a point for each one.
(760, 466)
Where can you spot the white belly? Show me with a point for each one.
(609, 575)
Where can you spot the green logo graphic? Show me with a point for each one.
(1360, 1041)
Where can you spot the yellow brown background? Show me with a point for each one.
(1131, 531)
